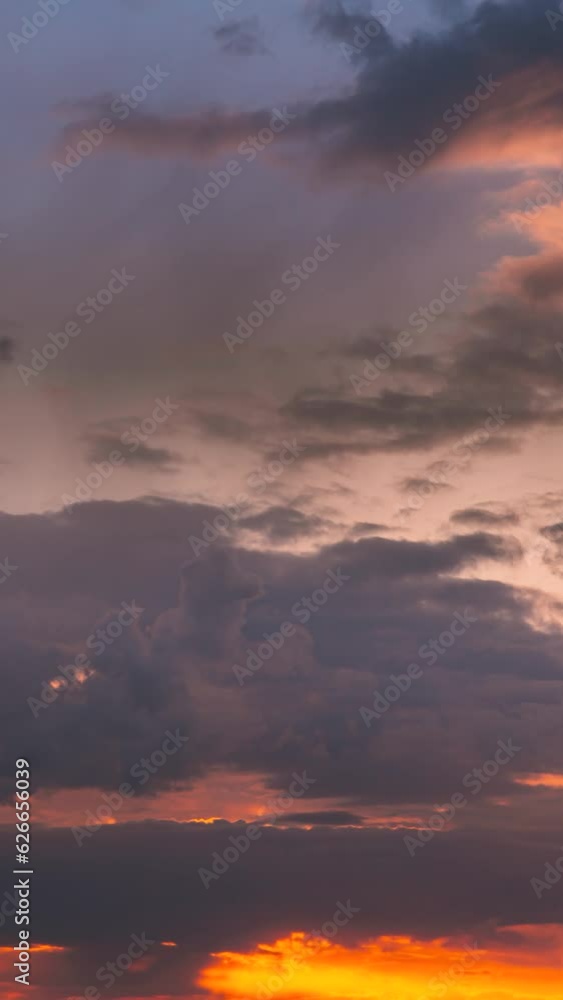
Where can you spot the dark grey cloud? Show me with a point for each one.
(554, 532)
(362, 528)
(168, 901)
(101, 445)
(418, 484)
(174, 666)
(214, 597)
(399, 420)
(390, 109)
(394, 559)
(552, 547)
(505, 363)
(341, 22)
(336, 817)
(483, 517)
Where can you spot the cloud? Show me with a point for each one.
(504, 362)
(537, 279)
(281, 524)
(213, 601)
(100, 445)
(450, 10)
(553, 531)
(202, 135)
(241, 38)
(401, 420)
(390, 558)
(389, 110)
(340, 22)
(336, 817)
(492, 889)
(418, 484)
(484, 517)
(362, 528)
(174, 666)
(510, 45)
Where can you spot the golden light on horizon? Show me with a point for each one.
(392, 967)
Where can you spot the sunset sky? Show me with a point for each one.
(281, 500)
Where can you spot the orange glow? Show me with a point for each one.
(221, 795)
(81, 675)
(34, 948)
(544, 780)
(509, 133)
(169, 944)
(521, 964)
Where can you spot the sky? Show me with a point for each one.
(281, 512)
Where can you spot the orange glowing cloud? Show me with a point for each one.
(49, 948)
(542, 780)
(221, 795)
(518, 126)
(535, 277)
(522, 964)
